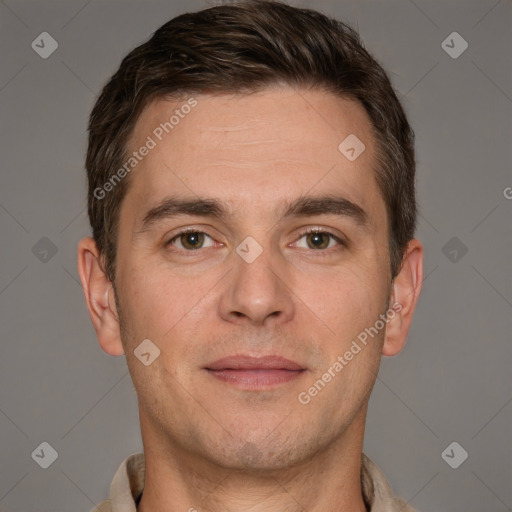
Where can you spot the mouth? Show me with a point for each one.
(255, 373)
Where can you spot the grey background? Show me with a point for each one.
(452, 381)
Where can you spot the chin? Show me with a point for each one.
(260, 453)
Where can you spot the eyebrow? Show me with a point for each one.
(304, 206)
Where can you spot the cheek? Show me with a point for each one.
(160, 302)
(347, 309)
(346, 301)
(145, 300)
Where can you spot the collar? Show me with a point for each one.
(128, 483)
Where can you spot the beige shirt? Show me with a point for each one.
(128, 483)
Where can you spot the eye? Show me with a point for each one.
(190, 239)
(319, 239)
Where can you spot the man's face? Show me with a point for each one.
(210, 294)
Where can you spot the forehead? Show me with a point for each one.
(252, 149)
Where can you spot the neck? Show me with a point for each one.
(177, 480)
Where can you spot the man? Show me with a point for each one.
(252, 201)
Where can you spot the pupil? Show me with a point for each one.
(192, 239)
(317, 237)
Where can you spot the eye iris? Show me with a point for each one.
(192, 240)
(318, 238)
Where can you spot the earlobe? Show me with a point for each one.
(98, 292)
(405, 292)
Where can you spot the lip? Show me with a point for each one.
(243, 362)
(255, 373)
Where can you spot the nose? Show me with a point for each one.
(257, 291)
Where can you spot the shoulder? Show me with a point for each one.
(127, 484)
(376, 490)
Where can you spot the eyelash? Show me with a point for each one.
(304, 233)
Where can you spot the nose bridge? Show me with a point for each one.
(256, 289)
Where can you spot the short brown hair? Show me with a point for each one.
(243, 48)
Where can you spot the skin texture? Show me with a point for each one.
(210, 445)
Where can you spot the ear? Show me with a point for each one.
(405, 291)
(99, 296)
